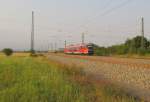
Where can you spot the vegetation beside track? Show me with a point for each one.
(26, 79)
(130, 47)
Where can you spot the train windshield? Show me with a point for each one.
(90, 48)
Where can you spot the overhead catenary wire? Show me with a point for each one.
(108, 11)
(103, 8)
(90, 19)
(93, 17)
(105, 12)
(101, 14)
(116, 7)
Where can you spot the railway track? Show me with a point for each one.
(140, 63)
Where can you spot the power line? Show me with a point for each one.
(116, 7)
(111, 9)
(103, 8)
(106, 12)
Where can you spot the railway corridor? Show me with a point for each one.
(131, 74)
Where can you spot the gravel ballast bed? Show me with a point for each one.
(136, 80)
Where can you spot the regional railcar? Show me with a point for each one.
(86, 49)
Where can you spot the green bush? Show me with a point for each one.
(142, 51)
(130, 46)
(8, 51)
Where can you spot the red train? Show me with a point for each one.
(86, 49)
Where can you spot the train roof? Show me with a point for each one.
(77, 45)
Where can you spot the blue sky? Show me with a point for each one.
(59, 20)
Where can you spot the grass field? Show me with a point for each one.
(26, 79)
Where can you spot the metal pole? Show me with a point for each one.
(55, 46)
(48, 47)
(82, 38)
(142, 32)
(65, 43)
(32, 34)
(52, 47)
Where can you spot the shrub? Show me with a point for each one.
(8, 51)
(142, 51)
(34, 55)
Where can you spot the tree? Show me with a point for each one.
(8, 51)
(135, 45)
(131, 46)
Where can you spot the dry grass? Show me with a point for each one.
(133, 79)
(95, 90)
(21, 54)
(26, 79)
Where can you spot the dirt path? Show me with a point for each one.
(131, 74)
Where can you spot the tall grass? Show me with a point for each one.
(31, 80)
(97, 90)
(26, 79)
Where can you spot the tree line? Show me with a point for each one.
(130, 46)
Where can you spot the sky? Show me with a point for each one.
(104, 22)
